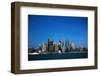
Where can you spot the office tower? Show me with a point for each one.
(50, 46)
(56, 48)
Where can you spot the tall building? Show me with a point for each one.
(56, 47)
(50, 46)
(73, 46)
(44, 48)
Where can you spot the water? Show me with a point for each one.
(75, 55)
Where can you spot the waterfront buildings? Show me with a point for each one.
(58, 47)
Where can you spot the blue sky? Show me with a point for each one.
(42, 27)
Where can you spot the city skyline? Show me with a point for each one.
(57, 47)
(40, 28)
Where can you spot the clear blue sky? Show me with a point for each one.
(42, 27)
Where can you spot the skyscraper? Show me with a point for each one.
(50, 46)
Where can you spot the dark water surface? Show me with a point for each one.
(58, 56)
